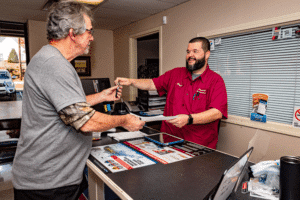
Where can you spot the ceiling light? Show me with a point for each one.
(92, 2)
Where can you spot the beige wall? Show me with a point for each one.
(101, 51)
(37, 36)
(234, 140)
(210, 18)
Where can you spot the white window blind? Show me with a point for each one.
(254, 63)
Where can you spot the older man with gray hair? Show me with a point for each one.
(57, 117)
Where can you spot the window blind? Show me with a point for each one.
(254, 63)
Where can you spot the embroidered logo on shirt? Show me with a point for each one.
(201, 91)
(179, 85)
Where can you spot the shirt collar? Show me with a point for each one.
(201, 77)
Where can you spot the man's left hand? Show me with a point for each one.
(180, 121)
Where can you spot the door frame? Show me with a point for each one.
(133, 56)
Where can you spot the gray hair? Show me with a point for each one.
(65, 15)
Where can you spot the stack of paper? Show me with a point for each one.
(154, 118)
(127, 135)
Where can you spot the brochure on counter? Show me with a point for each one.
(159, 153)
(119, 157)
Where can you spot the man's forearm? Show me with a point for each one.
(143, 84)
(102, 122)
(94, 99)
(207, 116)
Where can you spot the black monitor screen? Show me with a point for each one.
(94, 85)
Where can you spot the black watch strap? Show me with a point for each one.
(190, 120)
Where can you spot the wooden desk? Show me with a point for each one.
(10, 115)
(187, 179)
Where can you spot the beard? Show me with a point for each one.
(198, 64)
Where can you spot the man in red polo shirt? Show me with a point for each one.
(196, 94)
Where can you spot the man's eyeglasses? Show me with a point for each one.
(194, 51)
(90, 30)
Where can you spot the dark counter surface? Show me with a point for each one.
(187, 179)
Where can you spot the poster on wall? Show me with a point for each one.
(212, 45)
(296, 117)
(82, 65)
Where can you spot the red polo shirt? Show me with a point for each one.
(180, 89)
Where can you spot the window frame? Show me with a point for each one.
(245, 121)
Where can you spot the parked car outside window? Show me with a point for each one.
(7, 86)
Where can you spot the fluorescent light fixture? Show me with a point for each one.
(92, 2)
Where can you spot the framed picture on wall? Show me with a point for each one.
(82, 65)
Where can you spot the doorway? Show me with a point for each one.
(144, 48)
(148, 56)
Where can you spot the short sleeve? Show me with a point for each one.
(61, 84)
(219, 96)
(161, 83)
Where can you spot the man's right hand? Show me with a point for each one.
(123, 81)
(133, 123)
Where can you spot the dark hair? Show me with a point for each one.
(205, 43)
(65, 15)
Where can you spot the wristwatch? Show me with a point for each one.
(190, 120)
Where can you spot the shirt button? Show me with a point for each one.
(187, 94)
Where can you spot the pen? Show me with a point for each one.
(117, 90)
(194, 96)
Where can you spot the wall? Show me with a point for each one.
(234, 140)
(101, 51)
(210, 18)
(37, 36)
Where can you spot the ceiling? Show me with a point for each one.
(111, 14)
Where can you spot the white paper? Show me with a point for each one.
(127, 135)
(155, 112)
(154, 118)
(153, 92)
(218, 41)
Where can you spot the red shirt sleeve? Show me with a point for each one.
(219, 97)
(161, 83)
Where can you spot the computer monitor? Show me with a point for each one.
(95, 85)
(230, 178)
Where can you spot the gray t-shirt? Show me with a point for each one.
(49, 153)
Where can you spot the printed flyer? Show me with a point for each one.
(119, 157)
(164, 154)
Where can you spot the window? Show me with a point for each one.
(13, 58)
(254, 63)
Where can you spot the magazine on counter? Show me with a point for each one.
(159, 153)
(119, 157)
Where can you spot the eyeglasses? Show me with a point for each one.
(90, 30)
(194, 51)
